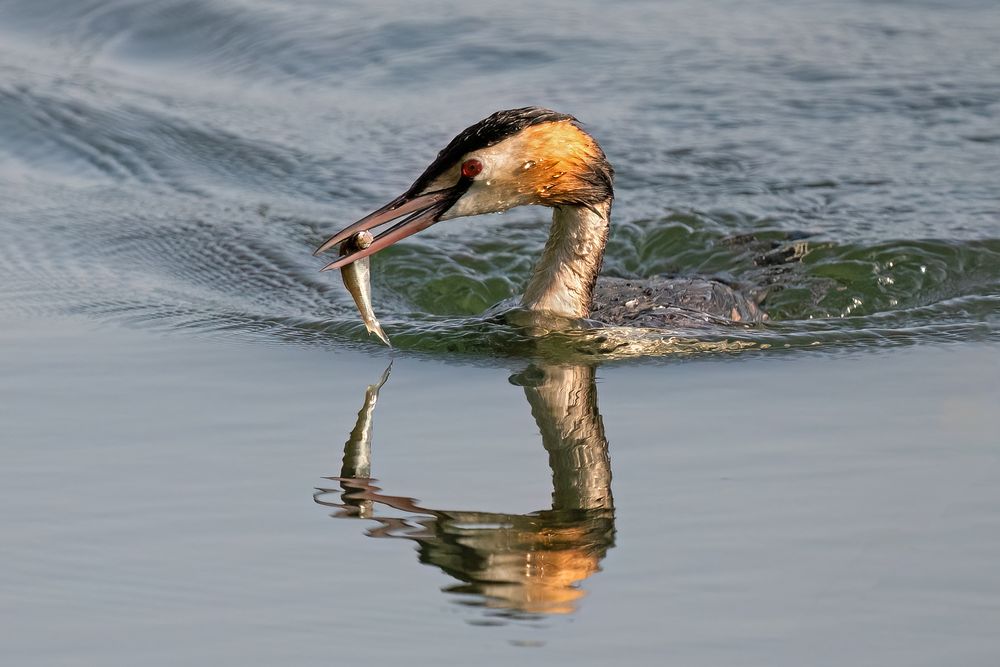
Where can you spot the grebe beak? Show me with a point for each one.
(422, 211)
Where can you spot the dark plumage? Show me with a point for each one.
(666, 303)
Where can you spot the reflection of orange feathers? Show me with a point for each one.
(534, 568)
(539, 582)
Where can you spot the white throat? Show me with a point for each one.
(563, 279)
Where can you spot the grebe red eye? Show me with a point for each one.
(471, 168)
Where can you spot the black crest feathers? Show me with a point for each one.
(490, 131)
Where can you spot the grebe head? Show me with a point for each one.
(527, 156)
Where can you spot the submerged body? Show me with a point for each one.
(357, 280)
(535, 156)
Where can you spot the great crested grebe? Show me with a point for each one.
(535, 156)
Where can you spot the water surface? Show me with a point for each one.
(159, 498)
(171, 164)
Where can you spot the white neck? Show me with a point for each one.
(563, 279)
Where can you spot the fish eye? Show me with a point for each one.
(471, 168)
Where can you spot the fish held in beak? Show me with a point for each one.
(357, 280)
(420, 211)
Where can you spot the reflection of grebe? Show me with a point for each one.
(517, 563)
(535, 156)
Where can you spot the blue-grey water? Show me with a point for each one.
(199, 467)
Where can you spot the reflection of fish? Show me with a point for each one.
(358, 452)
(357, 279)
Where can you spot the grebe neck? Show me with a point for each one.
(564, 277)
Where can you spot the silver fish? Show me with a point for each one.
(357, 279)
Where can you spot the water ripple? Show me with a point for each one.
(172, 164)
